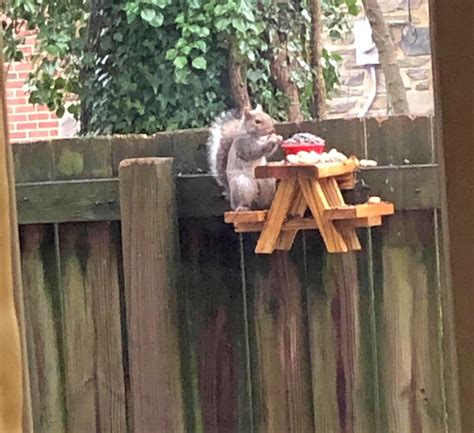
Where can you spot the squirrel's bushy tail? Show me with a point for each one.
(221, 135)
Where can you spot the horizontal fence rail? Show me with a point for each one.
(76, 179)
(408, 187)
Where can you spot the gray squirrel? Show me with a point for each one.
(236, 145)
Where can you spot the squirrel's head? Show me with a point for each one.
(257, 122)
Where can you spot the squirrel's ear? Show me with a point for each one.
(247, 113)
(259, 108)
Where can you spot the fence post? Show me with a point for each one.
(150, 254)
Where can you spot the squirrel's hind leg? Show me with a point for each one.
(243, 192)
(266, 193)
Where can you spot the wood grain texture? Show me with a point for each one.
(276, 216)
(341, 346)
(282, 392)
(213, 325)
(79, 350)
(102, 274)
(454, 131)
(297, 210)
(150, 251)
(94, 383)
(407, 306)
(335, 199)
(43, 319)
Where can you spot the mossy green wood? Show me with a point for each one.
(212, 322)
(446, 330)
(341, 339)
(98, 200)
(406, 288)
(79, 344)
(72, 160)
(408, 313)
(43, 320)
(94, 383)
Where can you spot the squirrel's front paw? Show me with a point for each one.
(277, 139)
(242, 209)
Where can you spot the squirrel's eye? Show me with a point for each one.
(258, 121)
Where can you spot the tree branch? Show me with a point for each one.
(316, 50)
(388, 57)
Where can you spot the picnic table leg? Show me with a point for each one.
(335, 199)
(298, 208)
(276, 216)
(317, 201)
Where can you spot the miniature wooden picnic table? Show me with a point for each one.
(317, 187)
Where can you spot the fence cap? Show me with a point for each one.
(144, 161)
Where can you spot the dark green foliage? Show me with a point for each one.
(148, 65)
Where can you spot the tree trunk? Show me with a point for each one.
(238, 81)
(316, 50)
(94, 27)
(388, 57)
(280, 69)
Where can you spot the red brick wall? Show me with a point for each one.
(26, 122)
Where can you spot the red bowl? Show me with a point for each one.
(293, 147)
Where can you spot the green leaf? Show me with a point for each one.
(53, 50)
(74, 109)
(60, 111)
(221, 24)
(148, 14)
(180, 62)
(251, 56)
(157, 21)
(160, 3)
(60, 83)
(204, 32)
(131, 17)
(239, 25)
(254, 75)
(199, 63)
(171, 54)
(201, 45)
(353, 9)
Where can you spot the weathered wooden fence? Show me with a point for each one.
(300, 342)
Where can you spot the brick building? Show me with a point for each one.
(26, 122)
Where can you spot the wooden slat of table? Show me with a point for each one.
(278, 170)
(360, 211)
(254, 216)
(297, 224)
(276, 216)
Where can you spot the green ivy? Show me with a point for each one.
(148, 65)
